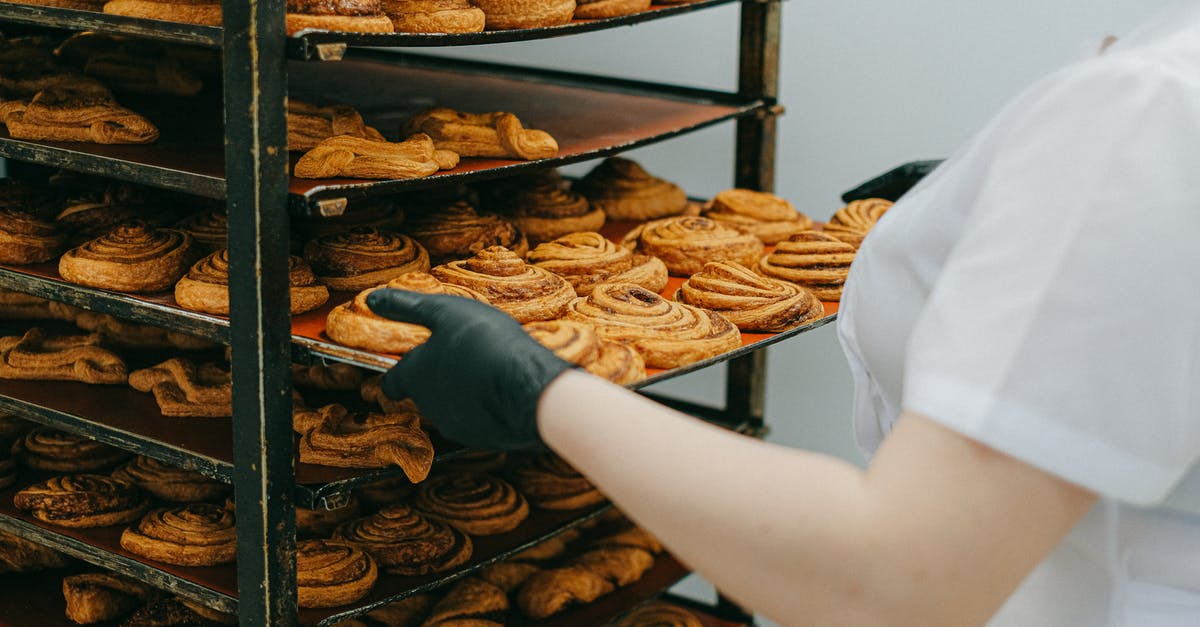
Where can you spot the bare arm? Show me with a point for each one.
(938, 531)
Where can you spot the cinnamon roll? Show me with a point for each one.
(586, 259)
(478, 504)
(510, 14)
(364, 257)
(82, 501)
(457, 231)
(25, 238)
(170, 483)
(320, 522)
(206, 286)
(345, 156)
(471, 602)
(548, 209)
(852, 222)
(58, 451)
(75, 114)
(209, 229)
(812, 259)
(333, 377)
(659, 614)
(122, 334)
(355, 16)
(99, 597)
(625, 191)
(91, 213)
(404, 542)
(332, 572)
(434, 16)
(18, 555)
(523, 291)
(580, 344)
(309, 124)
(761, 214)
(686, 243)
(203, 12)
(751, 301)
(666, 334)
(549, 482)
(495, 134)
(599, 9)
(130, 258)
(184, 389)
(333, 436)
(197, 534)
(36, 356)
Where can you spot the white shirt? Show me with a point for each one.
(1040, 293)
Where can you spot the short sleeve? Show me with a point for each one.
(1064, 327)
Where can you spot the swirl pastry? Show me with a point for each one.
(353, 323)
(25, 238)
(206, 286)
(130, 258)
(471, 602)
(121, 334)
(170, 483)
(99, 597)
(18, 555)
(548, 210)
(686, 243)
(812, 259)
(761, 214)
(66, 114)
(183, 389)
(580, 344)
(82, 501)
(354, 16)
(345, 156)
(523, 291)
(209, 229)
(598, 9)
(309, 124)
(751, 301)
(851, 223)
(659, 614)
(666, 334)
(478, 504)
(196, 534)
(586, 259)
(434, 16)
(203, 12)
(59, 451)
(364, 257)
(549, 482)
(625, 191)
(457, 232)
(332, 572)
(333, 436)
(509, 14)
(495, 134)
(404, 542)
(319, 523)
(38, 357)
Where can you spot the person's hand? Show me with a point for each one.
(478, 377)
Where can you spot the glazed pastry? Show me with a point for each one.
(203, 12)
(510, 14)
(598, 9)
(751, 301)
(133, 257)
(851, 223)
(82, 501)
(38, 357)
(319, 523)
(434, 16)
(196, 534)
(549, 482)
(183, 389)
(659, 614)
(176, 612)
(25, 238)
(332, 572)
(353, 324)
(98, 597)
(18, 555)
(344, 156)
(478, 504)
(548, 210)
(385, 491)
(70, 115)
(209, 229)
(587, 259)
(364, 257)
(523, 291)
(58, 451)
(625, 191)
(761, 214)
(404, 542)
(472, 602)
(495, 134)
(508, 576)
(334, 377)
(407, 612)
(170, 483)
(666, 334)
(458, 232)
(333, 436)
(812, 259)
(353, 16)
(206, 286)
(580, 344)
(121, 334)
(309, 125)
(686, 243)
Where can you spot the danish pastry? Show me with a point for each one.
(82, 501)
(495, 134)
(751, 301)
(345, 156)
(457, 231)
(586, 259)
(38, 357)
(206, 286)
(333, 436)
(686, 243)
(364, 257)
(510, 14)
(548, 209)
(332, 572)
(203, 12)
(625, 191)
(659, 614)
(74, 115)
(99, 597)
(580, 344)
(184, 389)
(472, 602)
(434, 16)
(523, 291)
(58, 451)
(209, 229)
(132, 257)
(761, 214)
(549, 482)
(354, 16)
(18, 555)
(597, 9)
(170, 483)
(852, 222)
(478, 504)
(309, 124)
(196, 534)
(319, 523)
(812, 259)
(404, 542)
(25, 238)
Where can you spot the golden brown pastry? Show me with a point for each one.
(170, 483)
(547, 210)
(205, 287)
(549, 482)
(209, 229)
(183, 389)
(579, 343)
(625, 191)
(495, 134)
(434, 16)
(586, 259)
(132, 257)
(407, 612)
(523, 291)
(58, 451)
(203, 12)
(457, 231)
(25, 238)
(478, 504)
(659, 614)
(309, 124)
(334, 377)
(597, 9)
(508, 576)
(751, 301)
(667, 334)
(355, 16)
(99, 597)
(18, 555)
(122, 334)
(364, 257)
(852, 222)
(761, 214)
(472, 602)
(510, 14)
(196, 534)
(404, 542)
(686, 243)
(332, 572)
(39, 357)
(333, 436)
(319, 523)
(82, 501)
(345, 156)
(812, 259)
(72, 115)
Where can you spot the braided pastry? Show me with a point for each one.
(65, 114)
(130, 258)
(170, 483)
(586, 259)
(547, 209)
(333, 436)
(599, 9)
(478, 504)
(457, 231)
(58, 451)
(357, 158)
(35, 356)
(472, 602)
(764, 215)
(82, 501)
(686, 243)
(509, 14)
(209, 229)
(852, 222)
(332, 572)
(495, 134)
(659, 614)
(750, 301)
(203, 12)
(666, 334)
(580, 344)
(206, 286)
(434, 16)
(811, 259)
(99, 597)
(197, 534)
(122, 334)
(364, 257)
(549, 482)
(183, 389)
(25, 238)
(523, 291)
(404, 542)
(319, 523)
(625, 191)
(309, 124)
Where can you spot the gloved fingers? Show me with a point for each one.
(394, 381)
(427, 310)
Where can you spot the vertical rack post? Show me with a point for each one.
(256, 171)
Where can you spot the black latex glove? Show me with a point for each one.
(894, 183)
(478, 378)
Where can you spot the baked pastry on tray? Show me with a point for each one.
(58, 451)
(548, 209)
(686, 243)
(162, 611)
(762, 214)
(319, 523)
(66, 114)
(626, 191)
(184, 389)
(753, 302)
(124, 334)
(206, 286)
(812, 259)
(99, 597)
(37, 356)
(196, 534)
(495, 134)
(346, 156)
(26, 238)
(332, 572)
(434, 16)
(82, 501)
(404, 542)
(586, 259)
(457, 231)
(521, 290)
(852, 222)
(471, 602)
(659, 614)
(170, 483)
(364, 257)
(476, 503)
(209, 228)
(549, 482)
(510, 14)
(133, 257)
(203, 12)
(597, 9)
(580, 343)
(335, 436)
(309, 124)
(352, 16)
